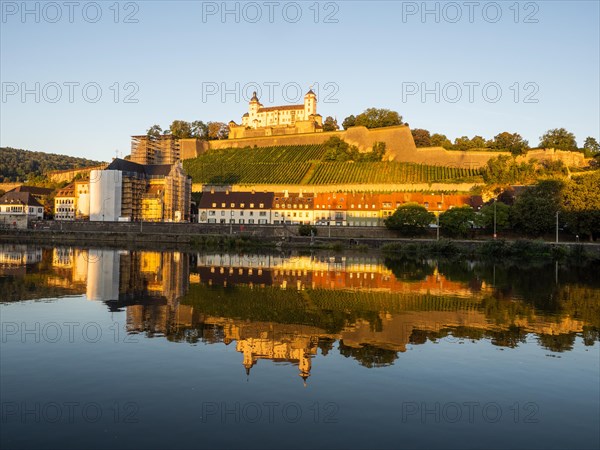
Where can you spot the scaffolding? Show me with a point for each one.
(155, 149)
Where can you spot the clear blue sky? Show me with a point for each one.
(374, 53)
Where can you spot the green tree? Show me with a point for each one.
(307, 230)
(478, 142)
(421, 137)
(217, 130)
(181, 129)
(591, 146)
(534, 211)
(440, 140)
(510, 142)
(581, 204)
(199, 130)
(330, 124)
(339, 150)
(457, 222)
(505, 170)
(410, 219)
(378, 117)
(560, 139)
(348, 122)
(485, 217)
(154, 131)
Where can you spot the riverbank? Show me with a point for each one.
(195, 237)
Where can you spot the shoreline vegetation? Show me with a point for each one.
(394, 248)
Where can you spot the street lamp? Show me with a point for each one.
(557, 227)
(437, 229)
(494, 218)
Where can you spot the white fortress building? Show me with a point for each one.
(278, 120)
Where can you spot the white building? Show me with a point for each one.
(19, 208)
(293, 208)
(252, 208)
(106, 188)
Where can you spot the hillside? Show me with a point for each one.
(305, 165)
(24, 165)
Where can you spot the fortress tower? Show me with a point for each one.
(278, 120)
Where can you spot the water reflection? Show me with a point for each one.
(290, 307)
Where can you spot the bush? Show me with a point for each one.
(307, 230)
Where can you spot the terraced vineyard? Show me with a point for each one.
(243, 172)
(385, 172)
(304, 165)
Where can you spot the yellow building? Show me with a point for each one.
(64, 203)
(278, 120)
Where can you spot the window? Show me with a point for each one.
(251, 205)
(232, 205)
(263, 213)
(222, 205)
(222, 214)
(251, 213)
(277, 205)
(241, 213)
(261, 205)
(427, 205)
(242, 205)
(276, 214)
(211, 213)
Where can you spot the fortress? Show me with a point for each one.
(278, 120)
(293, 125)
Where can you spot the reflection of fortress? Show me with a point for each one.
(284, 309)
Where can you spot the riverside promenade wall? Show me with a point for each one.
(177, 235)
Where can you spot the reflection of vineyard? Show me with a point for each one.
(287, 325)
(304, 163)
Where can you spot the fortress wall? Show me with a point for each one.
(9, 186)
(571, 159)
(59, 176)
(408, 187)
(400, 146)
(399, 143)
(439, 156)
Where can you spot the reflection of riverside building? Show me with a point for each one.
(125, 276)
(118, 275)
(303, 272)
(19, 255)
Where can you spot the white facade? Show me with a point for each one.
(106, 187)
(102, 275)
(64, 208)
(235, 216)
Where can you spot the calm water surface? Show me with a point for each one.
(115, 349)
